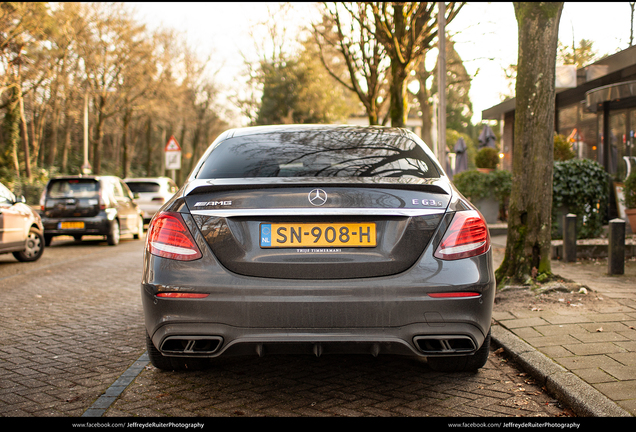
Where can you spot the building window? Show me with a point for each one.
(580, 128)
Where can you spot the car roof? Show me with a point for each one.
(88, 177)
(148, 179)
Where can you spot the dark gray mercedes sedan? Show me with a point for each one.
(318, 240)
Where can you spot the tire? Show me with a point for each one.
(78, 238)
(48, 239)
(34, 246)
(113, 237)
(140, 229)
(467, 363)
(166, 363)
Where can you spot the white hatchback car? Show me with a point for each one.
(151, 193)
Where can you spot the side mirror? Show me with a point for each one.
(20, 199)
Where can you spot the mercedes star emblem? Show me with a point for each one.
(317, 197)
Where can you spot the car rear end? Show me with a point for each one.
(75, 206)
(352, 242)
(150, 194)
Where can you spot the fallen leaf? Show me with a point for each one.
(600, 329)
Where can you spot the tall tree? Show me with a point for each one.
(528, 245)
(344, 40)
(114, 46)
(289, 83)
(406, 30)
(23, 26)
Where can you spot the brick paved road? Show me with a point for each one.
(72, 324)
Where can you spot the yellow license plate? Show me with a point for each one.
(71, 225)
(289, 235)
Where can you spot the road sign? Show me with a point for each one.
(172, 145)
(173, 154)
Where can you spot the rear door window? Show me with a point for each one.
(73, 188)
(141, 187)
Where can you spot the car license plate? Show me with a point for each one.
(71, 225)
(289, 235)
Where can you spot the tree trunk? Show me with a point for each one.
(125, 163)
(25, 136)
(98, 137)
(399, 106)
(528, 246)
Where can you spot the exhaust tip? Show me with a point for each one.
(445, 344)
(201, 345)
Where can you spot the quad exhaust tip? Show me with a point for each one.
(191, 345)
(444, 344)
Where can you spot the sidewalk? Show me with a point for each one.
(583, 353)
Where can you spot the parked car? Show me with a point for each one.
(90, 205)
(318, 239)
(151, 193)
(21, 230)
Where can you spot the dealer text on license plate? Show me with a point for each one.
(282, 235)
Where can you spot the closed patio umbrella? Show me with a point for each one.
(461, 158)
(487, 138)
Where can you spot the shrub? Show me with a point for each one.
(562, 148)
(582, 186)
(629, 189)
(31, 189)
(487, 157)
(476, 185)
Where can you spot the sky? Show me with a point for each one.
(485, 35)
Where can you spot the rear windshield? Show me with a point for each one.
(339, 153)
(140, 187)
(73, 188)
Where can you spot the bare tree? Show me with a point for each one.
(344, 32)
(406, 30)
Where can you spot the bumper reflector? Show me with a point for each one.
(454, 295)
(182, 295)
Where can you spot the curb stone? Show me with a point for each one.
(581, 397)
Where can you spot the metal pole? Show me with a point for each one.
(86, 167)
(441, 80)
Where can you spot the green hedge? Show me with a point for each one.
(476, 185)
(629, 189)
(581, 185)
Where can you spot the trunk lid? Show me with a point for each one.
(304, 229)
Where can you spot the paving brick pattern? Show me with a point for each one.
(72, 325)
(599, 347)
(348, 386)
(597, 344)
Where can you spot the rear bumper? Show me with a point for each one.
(454, 339)
(98, 225)
(388, 315)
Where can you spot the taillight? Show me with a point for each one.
(466, 237)
(100, 201)
(168, 237)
